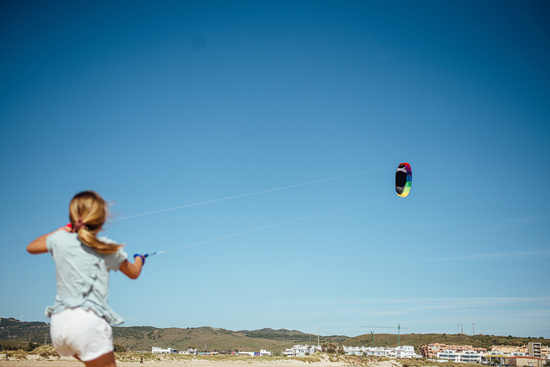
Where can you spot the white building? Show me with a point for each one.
(354, 351)
(261, 353)
(190, 351)
(449, 354)
(404, 351)
(250, 354)
(157, 350)
(302, 350)
(504, 353)
(468, 356)
(377, 351)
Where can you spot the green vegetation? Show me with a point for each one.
(22, 333)
(309, 359)
(294, 336)
(46, 351)
(142, 338)
(17, 354)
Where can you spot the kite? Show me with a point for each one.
(403, 179)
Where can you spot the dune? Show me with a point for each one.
(168, 361)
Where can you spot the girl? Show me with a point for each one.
(81, 317)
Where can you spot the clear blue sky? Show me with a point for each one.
(163, 104)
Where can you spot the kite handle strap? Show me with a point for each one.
(142, 257)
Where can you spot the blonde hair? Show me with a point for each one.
(87, 213)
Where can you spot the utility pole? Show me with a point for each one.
(46, 336)
(473, 330)
(391, 327)
(318, 338)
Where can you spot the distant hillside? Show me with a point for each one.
(292, 336)
(144, 337)
(12, 329)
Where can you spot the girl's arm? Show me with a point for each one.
(38, 246)
(132, 271)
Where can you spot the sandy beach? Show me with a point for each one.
(36, 361)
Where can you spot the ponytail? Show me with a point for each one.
(87, 213)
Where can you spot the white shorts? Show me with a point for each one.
(76, 331)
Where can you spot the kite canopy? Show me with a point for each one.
(403, 179)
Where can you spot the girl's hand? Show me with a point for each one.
(142, 258)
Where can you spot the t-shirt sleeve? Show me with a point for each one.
(50, 241)
(113, 261)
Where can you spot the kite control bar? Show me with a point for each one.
(143, 257)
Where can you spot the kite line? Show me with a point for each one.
(269, 226)
(251, 194)
(247, 194)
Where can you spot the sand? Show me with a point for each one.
(36, 361)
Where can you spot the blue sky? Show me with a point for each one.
(297, 113)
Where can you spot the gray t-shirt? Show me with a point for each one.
(82, 275)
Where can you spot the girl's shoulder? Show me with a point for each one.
(61, 234)
(61, 238)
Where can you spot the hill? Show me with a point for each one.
(15, 333)
(14, 330)
(292, 336)
(145, 337)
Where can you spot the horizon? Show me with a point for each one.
(296, 330)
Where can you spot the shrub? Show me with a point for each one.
(309, 359)
(119, 348)
(31, 346)
(17, 354)
(46, 351)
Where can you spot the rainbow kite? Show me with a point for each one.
(403, 179)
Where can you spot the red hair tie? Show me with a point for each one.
(79, 224)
